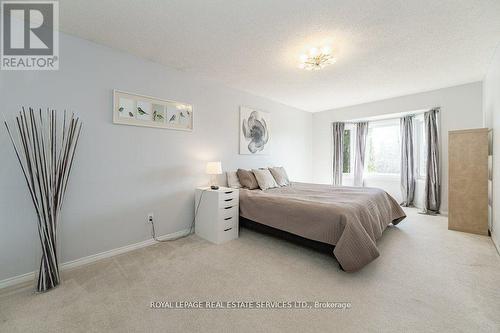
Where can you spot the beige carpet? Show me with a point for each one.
(426, 279)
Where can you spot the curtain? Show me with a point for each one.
(407, 161)
(359, 154)
(338, 152)
(432, 194)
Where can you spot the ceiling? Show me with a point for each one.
(384, 48)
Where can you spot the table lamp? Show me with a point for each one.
(214, 169)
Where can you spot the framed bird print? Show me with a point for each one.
(140, 110)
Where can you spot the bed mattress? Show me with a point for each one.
(351, 218)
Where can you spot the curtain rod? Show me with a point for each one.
(407, 113)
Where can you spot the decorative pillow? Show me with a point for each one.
(247, 179)
(264, 178)
(232, 179)
(280, 176)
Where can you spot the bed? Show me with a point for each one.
(350, 218)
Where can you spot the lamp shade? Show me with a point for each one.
(214, 168)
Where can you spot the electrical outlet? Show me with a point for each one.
(150, 218)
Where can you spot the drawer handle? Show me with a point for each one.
(228, 200)
(228, 192)
(228, 207)
(228, 218)
(228, 229)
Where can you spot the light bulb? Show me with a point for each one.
(313, 52)
(303, 57)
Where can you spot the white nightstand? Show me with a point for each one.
(218, 211)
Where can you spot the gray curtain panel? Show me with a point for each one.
(407, 161)
(359, 154)
(432, 195)
(338, 152)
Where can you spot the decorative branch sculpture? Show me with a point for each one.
(45, 151)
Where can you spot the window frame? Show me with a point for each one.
(380, 124)
(419, 144)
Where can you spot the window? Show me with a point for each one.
(349, 138)
(383, 148)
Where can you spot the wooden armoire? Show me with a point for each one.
(469, 180)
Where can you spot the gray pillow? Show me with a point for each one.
(247, 179)
(264, 178)
(232, 179)
(280, 176)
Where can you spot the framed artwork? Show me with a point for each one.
(255, 132)
(140, 110)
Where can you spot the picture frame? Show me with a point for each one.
(146, 111)
(255, 131)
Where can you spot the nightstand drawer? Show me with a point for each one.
(229, 224)
(228, 213)
(228, 234)
(228, 198)
(228, 219)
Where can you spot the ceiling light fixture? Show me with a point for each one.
(317, 59)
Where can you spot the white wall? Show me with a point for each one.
(461, 107)
(491, 103)
(122, 173)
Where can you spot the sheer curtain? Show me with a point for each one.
(407, 161)
(432, 194)
(359, 154)
(338, 152)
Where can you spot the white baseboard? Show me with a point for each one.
(20, 279)
(496, 242)
(27, 277)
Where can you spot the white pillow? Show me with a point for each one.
(280, 176)
(264, 178)
(232, 179)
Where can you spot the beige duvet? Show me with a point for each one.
(351, 218)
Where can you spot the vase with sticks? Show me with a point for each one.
(45, 148)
